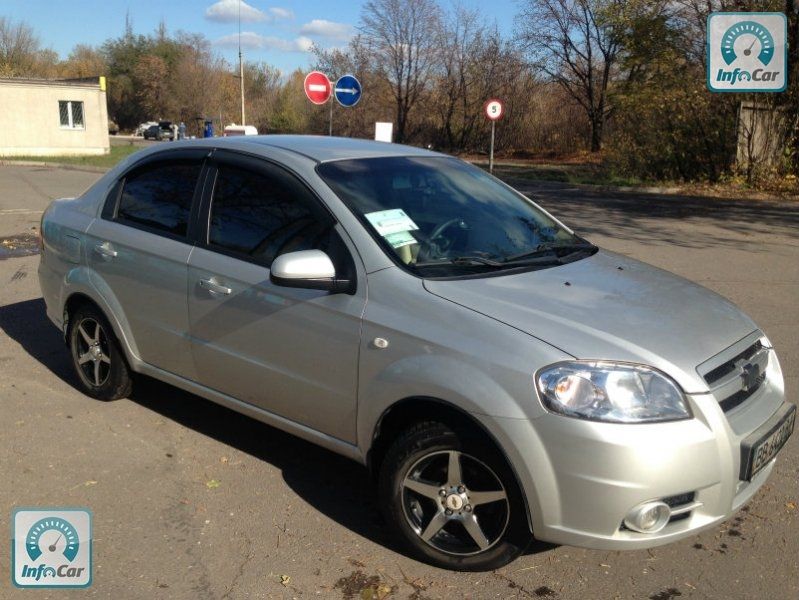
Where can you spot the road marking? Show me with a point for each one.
(20, 211)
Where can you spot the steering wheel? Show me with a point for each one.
(436, 244)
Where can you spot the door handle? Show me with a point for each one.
(106, 250)
(214, 288)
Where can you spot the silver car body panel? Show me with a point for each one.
(308, 362)
(300, 345)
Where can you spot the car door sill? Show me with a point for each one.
(301, 431)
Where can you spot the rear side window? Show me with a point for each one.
(159, 197)
(262, 216)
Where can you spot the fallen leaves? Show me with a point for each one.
(375, 592)
(212, 484)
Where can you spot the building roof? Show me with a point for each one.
(86, 82)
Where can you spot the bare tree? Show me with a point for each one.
(18, 49)
(402, 37)
(463, 37)
(575, 43)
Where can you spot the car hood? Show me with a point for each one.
(610, 307)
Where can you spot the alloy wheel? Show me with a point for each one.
(92, 352)
(455, 503)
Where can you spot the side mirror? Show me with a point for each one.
(307, 269)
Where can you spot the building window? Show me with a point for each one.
(71, 114)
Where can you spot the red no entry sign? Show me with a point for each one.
(317, 87)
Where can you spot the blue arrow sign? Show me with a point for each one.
(348, 90)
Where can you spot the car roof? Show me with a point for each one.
(315, 147)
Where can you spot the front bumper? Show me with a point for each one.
(581, 478)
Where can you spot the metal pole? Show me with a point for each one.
(241, 80)
(241, 70)
(330, 127)
(491, 154)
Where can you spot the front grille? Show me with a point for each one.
(741, 396)
(734, 380)
(730, 366)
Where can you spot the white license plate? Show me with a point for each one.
(767, 447)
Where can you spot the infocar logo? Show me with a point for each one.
(747, 52)
(51, 547)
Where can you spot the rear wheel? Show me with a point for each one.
(97, 357)
(452, 499)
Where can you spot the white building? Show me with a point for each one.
(44, 117)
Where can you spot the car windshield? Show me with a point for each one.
(442, 217)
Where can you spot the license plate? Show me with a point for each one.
(758, 449)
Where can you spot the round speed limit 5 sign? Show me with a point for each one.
(494, 109)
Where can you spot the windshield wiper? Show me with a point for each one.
(543, 255)
(463, 261)
(543, 250)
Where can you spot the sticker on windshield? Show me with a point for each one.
(400, 239)
(391, 221)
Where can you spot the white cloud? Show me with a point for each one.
(328, 29)
(255, 41)
(227, 11)
(281, 13)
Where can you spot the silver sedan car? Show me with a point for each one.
(502, 377)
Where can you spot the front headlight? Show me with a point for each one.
(613, 392)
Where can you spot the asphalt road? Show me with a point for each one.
(193, 501)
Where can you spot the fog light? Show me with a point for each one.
(649, 517)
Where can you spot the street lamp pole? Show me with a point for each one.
(241, 70)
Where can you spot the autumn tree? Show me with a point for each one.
(83, 61)
(575, 44)
(19, 47)
(402, 37)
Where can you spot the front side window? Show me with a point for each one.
(159, 196)
(260, 216)
(442, 217)
(70, 113)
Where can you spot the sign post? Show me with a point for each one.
(494, 109)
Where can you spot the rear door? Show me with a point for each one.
(293, 352)
(140, 249)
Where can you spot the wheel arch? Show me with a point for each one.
(407, 411)
(80, 297)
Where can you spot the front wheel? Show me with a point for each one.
(452, 499)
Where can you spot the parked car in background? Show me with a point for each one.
(153, 132)
(167, 130)
(502, 376)
(144, 127)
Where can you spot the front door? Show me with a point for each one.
(292, 352)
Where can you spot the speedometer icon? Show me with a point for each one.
(753, 33)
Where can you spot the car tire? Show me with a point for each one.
(97, 357)
(441, 520)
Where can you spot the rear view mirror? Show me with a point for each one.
(307, 269)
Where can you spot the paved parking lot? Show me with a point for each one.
(193, 501)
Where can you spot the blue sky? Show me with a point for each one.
(274, 32)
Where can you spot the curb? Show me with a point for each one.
(754, 196)
(53, 165)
